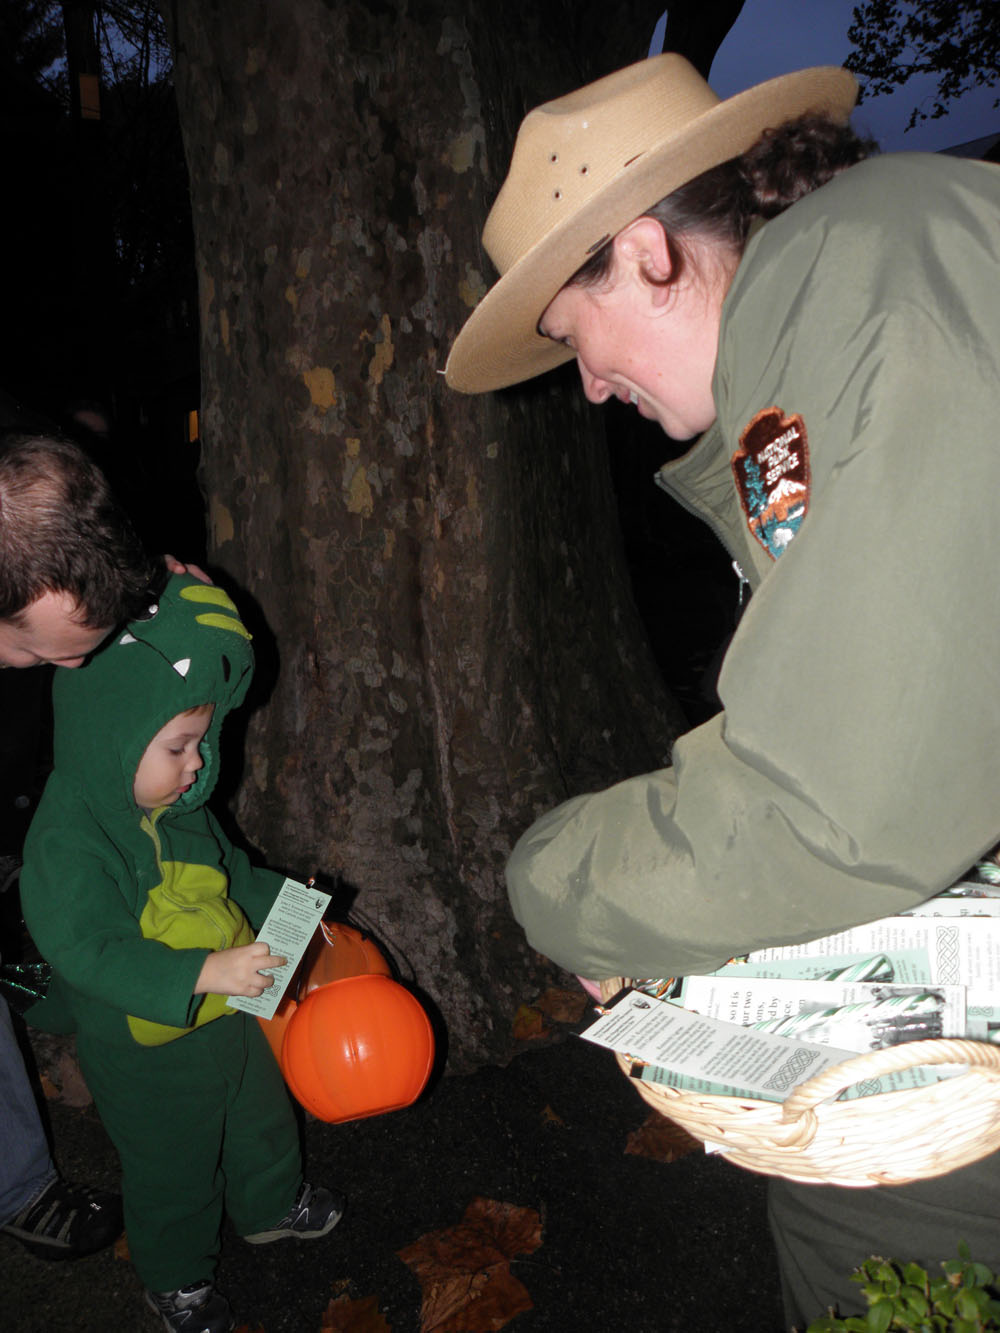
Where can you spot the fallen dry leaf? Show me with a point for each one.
(59, 1069)
(343, 1315)
(74, 1090)
(549, 1117)
(464, 1271)
(662, 1139)
(49, 1089)
(121, 1249)
(529, 1024)
(563, 1006)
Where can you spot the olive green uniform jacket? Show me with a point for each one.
(854, 475)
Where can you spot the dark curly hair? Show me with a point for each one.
(61, 530)
(783, 166)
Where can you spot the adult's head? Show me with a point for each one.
(590, 170)
(71, 566)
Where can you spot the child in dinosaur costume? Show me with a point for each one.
(147, 912)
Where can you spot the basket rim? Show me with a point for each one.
(978, 1057)
(889, 1138)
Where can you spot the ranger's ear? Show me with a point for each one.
(642, 251)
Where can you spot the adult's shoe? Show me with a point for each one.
(64, 1221)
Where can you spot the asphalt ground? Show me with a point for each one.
(628, 1243)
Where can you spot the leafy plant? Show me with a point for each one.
(903, 1298)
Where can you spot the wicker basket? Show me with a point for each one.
(887, 1139)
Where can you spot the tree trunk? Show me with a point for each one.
(446, 636)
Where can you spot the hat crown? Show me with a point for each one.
(569, 150)
(588, 164)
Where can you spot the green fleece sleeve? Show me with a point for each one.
(856, 767)
(79, 919)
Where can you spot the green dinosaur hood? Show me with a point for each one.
(191, 649)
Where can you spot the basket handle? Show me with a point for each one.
(888, 1060)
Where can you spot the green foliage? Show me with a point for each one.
(958, 41)
(902, 1298)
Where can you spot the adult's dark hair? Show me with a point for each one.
(784, 165)
(61, 530)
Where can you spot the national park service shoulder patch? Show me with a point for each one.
(771, 468)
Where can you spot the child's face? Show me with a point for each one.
(172, 759)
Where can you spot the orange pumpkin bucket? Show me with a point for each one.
(337, 951)
(357, 1047)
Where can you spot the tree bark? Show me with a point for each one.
(447, 639)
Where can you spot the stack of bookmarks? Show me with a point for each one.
(765, 1023)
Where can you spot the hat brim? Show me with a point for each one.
(500, 344)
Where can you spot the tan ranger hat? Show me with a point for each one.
(586, 165)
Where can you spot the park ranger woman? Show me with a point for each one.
(826, 327)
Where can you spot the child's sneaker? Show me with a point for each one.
(195, 1309)
(64, 1221)
(314, 1212)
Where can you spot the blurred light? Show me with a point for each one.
(90, 97)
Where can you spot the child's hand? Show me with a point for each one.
(235, 971)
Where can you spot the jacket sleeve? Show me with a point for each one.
(82, 925)
(855, 769)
